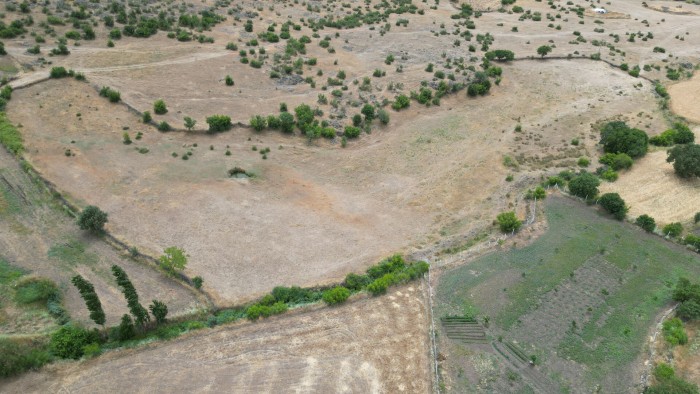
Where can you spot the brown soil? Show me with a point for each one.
(685, 97)
(28, 236)
(651, 187)
(371, 345)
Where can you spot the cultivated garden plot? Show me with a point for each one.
(579, 302)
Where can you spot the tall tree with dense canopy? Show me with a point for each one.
(685, 159)
(87, 292)
(584, 185)
(617, 137)
(132, 298)
(92, 219)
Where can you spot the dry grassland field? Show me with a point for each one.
(413, 125)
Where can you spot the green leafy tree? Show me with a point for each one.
(508, 222)
(400, 102)
(305, 116)
(126, 329)
(544, 50)
(584, 185)
(92, 219)
(189, 123)
(159, 107)
(673, 230)
(229, 80)
(159, 311)
(146, 118)
(87, 292)
(617, 137)
(646, 222)
(132, 298)
(614, 204)
(617, 161)
(685, 159)
(174, 259)
(286, 122)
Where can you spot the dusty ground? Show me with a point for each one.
(309, 211)
(645, 188)
(370, 346)
(687, 358)
(684, 98)
(44, 241)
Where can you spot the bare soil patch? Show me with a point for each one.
(685, 97)
(651, 187)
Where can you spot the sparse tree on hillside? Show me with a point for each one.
(544, 50)
(159, 311)
(174, 259)
(189, 123)
(508, 222)
(685, 159)
(92, 219)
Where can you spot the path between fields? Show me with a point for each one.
(35, 77)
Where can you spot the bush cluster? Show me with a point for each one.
(113, 95)
(688, 294)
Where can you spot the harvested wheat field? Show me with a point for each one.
(370, 346)
(685, 97)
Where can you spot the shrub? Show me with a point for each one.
(286, 122)
(228, 80)
(609, 175)
(146, 118)
(219, 123)
(584, 185)
(356, 282)
(294, 295)
(689, 310)
(646, 222)
(111, 94)
(256, 311)
(197, 281)
(508, 222)
(674, 333)
(673, 230)
(617, 137)
(685, 159)
(58, 72)
(18, 357)
(379, 285)
(683, 134)
(34, 289)
(92, 219)
(394, 263)
(159, 107)
(617, 161)
(584, 162)
(10, 136)
(352, 132)
(304, 115)
(368, 112)
(69, 341)
(400, 102)
(258, 123)
(336, 295)
(164, 126)
(614, 204)
(666, 138)
(383, 116)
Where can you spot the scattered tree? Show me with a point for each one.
(383, 116)
(673, 230)
(258, 123)
(584, 185)
(189, 123)
(286, 122)
(336, 295)
(368, 112)
(685, 159)
(614, 204)
(69, 341)
(126, 329)
(197, 281)
(92, 219)
(174, 259)
(544, 50)
(646, 222)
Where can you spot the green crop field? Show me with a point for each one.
(582, 298)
